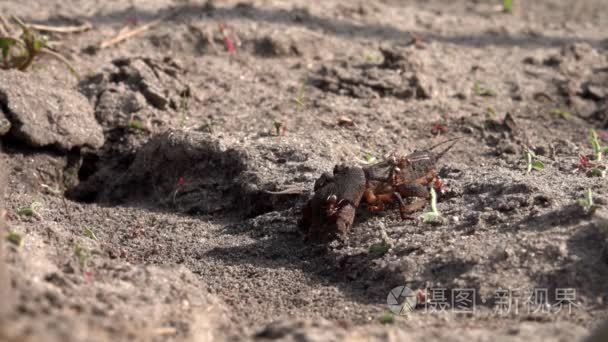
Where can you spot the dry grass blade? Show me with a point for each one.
(4, 27)
(164, 331)
(127, 34)
(62, 29)
(62, 59)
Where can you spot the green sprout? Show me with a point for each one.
(82, 254)
(597, 172)
(562, 113)
(532, 161)
(19, 53)
(387, 318)
(136, 124)
(597, 148)
(15, 238)
(434, 214)
(377, 250)
(90, 233)
(587, 202)
(507, 6)
(30, 210)
(299, 99)
(373, 58)
(491, 113)
(369, 158)
(479, 90)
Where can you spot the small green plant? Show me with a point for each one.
(15, 238)
(532, 162)
(434, 214)
(19, 53)
(480, 90)
(137, 124)
(82, 254)
(31, 210)
(387, 318)
(597, 172)
(596, 146)
(369, 158)
(562, 113)
(507, 6)
(491, 113)
(300, 96)
(90, 233)
(373, 58)
(377, 250)
(587, 202)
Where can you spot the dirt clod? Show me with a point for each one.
(42, 112)
(205, 173)
(400, 75)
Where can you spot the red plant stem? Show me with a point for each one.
(227, 40)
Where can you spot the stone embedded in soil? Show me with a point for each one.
(400, 75)
(583, 80)
(116, 104)
(601, 115)
(131, 85)
(47, 173)
(43, 112)
(596, 86)
(156, 80)
(205, 173)
(575, 57)
(275, 46)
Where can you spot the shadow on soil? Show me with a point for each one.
(586, 273)
(356, 275)
(302, 17)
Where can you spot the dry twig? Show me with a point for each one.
(4, 27)
(127, 34)
(62, 29)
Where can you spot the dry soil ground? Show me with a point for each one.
(140, 191)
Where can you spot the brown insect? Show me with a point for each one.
(331, 210)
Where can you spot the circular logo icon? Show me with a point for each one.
(401, 300)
